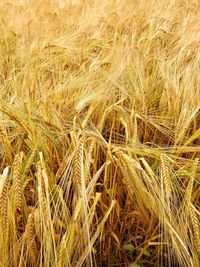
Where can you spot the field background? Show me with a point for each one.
(99, 133)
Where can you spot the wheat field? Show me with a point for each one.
(99, 133)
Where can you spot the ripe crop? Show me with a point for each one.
(99, 133)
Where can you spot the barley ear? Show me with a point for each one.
(4, 199)
(17, 182)
(195, 228)
(30, 234)
(166, 177)
(78, 160)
